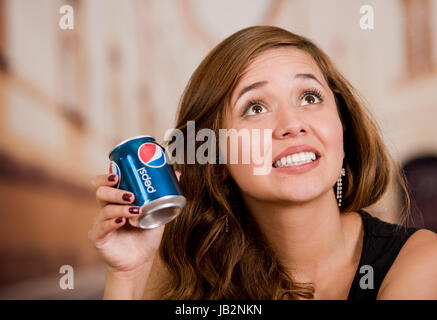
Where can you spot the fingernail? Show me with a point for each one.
(112, 177)
(134, 210)
(119, 220)
(126, 197)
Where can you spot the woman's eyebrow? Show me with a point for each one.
(253, 86)
(308, 76)
(258, 84)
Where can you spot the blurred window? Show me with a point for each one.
(418, 44)
(3, 62)
(70, 83)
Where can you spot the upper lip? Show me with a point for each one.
(297, 149)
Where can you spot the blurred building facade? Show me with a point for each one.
(68, 96)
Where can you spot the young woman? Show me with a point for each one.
(297, 232)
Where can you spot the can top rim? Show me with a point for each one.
(129, 139)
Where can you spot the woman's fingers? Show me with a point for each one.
(113, 211)
(112, 195)
(109, 219)
(102, 229)
(104, 180)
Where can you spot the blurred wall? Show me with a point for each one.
(68, 96)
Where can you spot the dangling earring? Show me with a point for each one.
(227, 224)
(339, 191)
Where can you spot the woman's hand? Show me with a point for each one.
(124, 248)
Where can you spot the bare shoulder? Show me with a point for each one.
(413, 274)
(157, 278)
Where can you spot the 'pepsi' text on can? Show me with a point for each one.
(141, 165)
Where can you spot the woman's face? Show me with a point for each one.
(284, 90)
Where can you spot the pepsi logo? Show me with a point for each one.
(114, 169)
(151, 155)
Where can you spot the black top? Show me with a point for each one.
(381, 245)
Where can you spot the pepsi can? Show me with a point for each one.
(142, 168)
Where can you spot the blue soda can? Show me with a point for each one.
(142, 168)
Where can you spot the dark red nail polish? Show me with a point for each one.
(134, 210)
(112, 177)
(119, 220)
(126, 197)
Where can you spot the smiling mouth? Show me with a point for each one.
(296, 159)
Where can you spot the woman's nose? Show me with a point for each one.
(290, 123)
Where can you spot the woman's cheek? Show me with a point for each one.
(331, 132)
(254, 185)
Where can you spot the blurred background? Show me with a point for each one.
(68, 96)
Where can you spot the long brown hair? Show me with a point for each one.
(205, 258)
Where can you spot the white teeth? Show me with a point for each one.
(295, 159)
(289, 160)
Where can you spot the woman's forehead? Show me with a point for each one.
(290, 60)
(295, 59)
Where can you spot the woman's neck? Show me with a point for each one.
(310, 239)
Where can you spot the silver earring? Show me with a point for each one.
(339, 191)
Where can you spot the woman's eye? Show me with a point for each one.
(254, 108)
(311, 98)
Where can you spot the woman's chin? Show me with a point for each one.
(302, 196)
